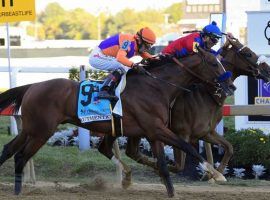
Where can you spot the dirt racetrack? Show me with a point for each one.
(138, 191)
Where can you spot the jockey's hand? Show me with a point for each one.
(229, 36)
(139, 68)
(155, 58)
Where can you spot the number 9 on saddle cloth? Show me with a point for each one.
(90, 107)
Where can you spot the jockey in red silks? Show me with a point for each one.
(113, 54)
(206, 39)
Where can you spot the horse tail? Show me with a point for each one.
(13, 97)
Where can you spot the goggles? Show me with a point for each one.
(147, 45)
(214, 39)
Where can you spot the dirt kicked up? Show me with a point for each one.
(99, 190)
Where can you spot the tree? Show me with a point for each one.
(175, 12)
(52, 16)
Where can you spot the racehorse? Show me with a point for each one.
(195, 115)
(145, 102)
(206, 113)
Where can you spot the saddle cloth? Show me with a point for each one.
(90, 108)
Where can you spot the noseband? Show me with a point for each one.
(253, 66)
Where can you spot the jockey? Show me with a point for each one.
(113, 54)
(206, 39)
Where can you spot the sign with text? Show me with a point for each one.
(263, 93)
(259, 94)
(17, 10)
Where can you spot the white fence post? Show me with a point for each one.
(13, 83)
(220, 131)
(83, 134)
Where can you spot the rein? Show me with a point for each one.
(164, 81)
(188, 70)
(191, 72)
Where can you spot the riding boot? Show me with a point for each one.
(109, 85)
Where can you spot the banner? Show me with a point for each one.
(17, 10)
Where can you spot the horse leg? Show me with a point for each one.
(215, 138)
(209, 154)
(162, 166)
(105, 147)
(12, 147)
(133, 151)
(29, 149)
(166, 136)
(179, 159)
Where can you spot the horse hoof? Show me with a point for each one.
(214, 173)
(211, 181)
(171, 194)
(219, 177)
(17, 189)
(126, 183)
(17, 192)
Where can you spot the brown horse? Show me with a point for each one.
(145, 101)
(206, 113)
(195, 115)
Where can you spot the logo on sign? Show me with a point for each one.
(4, 3)
(19, 10)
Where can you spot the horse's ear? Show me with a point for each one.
(233, 41)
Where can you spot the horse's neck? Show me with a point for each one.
(205, 94)
(230, 65)
(173, 73)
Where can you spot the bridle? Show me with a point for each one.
(214, 84)
(245, 58)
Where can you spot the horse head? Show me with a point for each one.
(216, 75)
(244, 61)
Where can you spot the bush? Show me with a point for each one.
(90, 74)
(251, 146)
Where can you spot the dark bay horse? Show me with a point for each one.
(206, 113)
(195, 115)
(145, 102)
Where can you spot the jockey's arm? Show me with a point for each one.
(227, 42)
(122, 58)
(146, 55)
(225, 45)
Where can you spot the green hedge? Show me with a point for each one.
(251, 146)
(90, 74)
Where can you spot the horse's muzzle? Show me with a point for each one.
(227, 89)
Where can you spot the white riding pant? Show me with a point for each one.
(103, 62)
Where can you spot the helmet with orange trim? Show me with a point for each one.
(147, 38)
(147, 35)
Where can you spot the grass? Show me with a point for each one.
(4, 124)
(69, 164)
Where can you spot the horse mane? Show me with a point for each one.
(163, 61)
